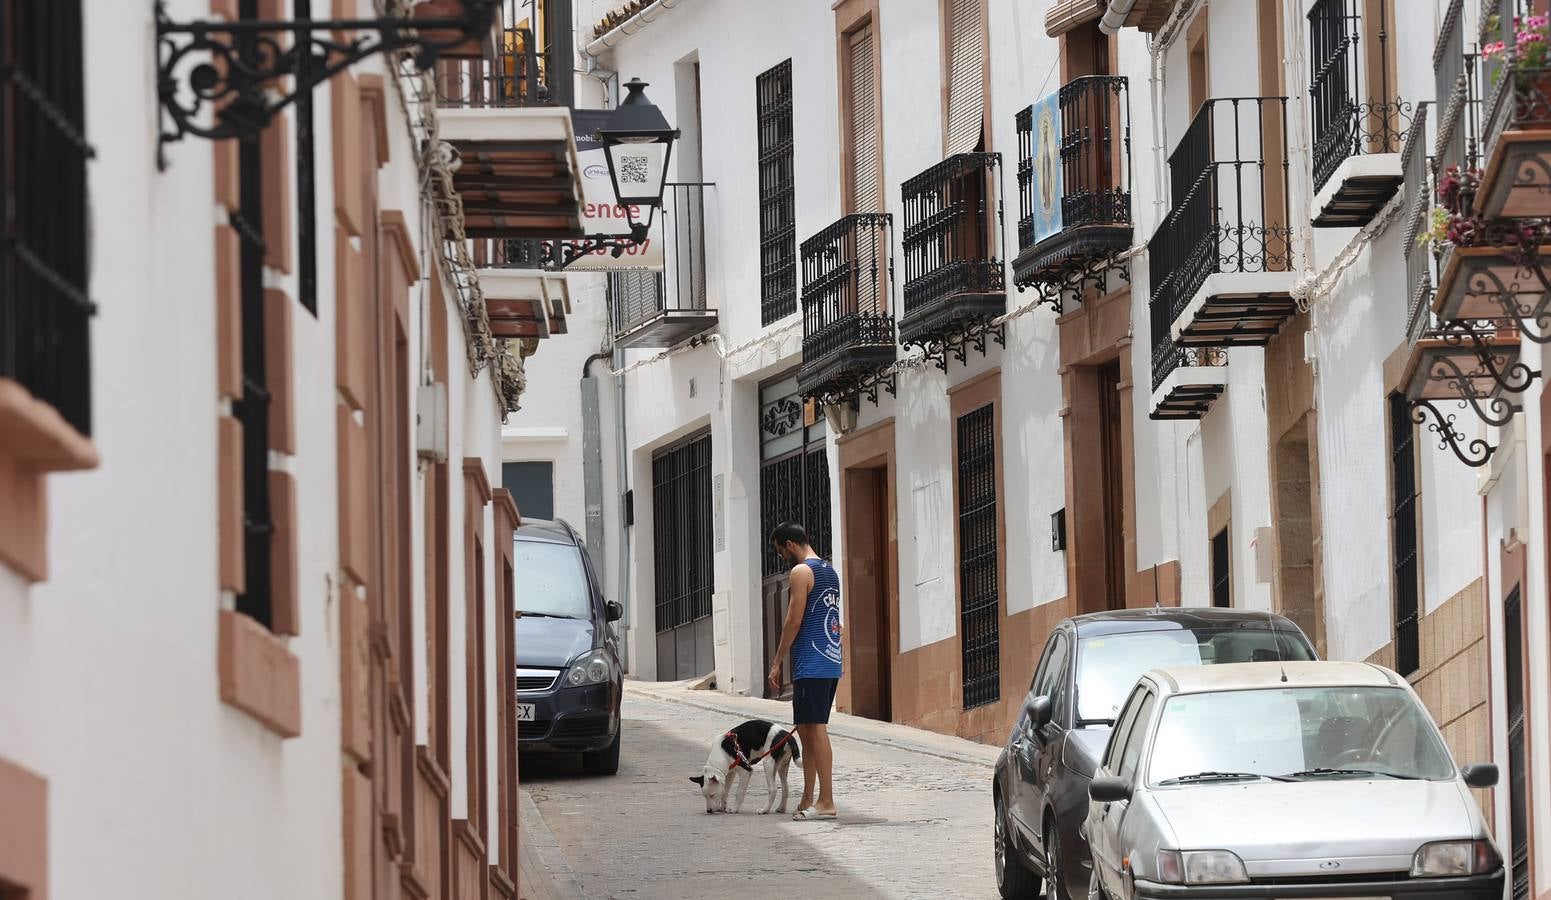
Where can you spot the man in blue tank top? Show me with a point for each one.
(812, 635)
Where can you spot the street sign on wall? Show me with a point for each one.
(601, 210)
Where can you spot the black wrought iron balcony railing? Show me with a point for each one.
(954, 273)
(661, 309)
(847, 315)
(1458, 95)
(1418, 252)
(514, 76)
(1352, 100)
(1516, 82)
(1094, 142)
(1230, 214)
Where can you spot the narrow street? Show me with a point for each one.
(915, 817)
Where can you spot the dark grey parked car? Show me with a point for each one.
(1088, 668)
(569, 678)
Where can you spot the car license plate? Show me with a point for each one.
(525, 712)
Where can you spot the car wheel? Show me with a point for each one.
(605, 761)
(1013, 878)
(1053, 862)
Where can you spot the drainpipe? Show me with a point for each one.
(592, 458)
(1115, 16)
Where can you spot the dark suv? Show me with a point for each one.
(1089, 667)
(569, 679)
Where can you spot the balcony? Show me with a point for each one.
(847, 316)
(1223, 255)
(1074, 212)
(663, 309)
(522, 299)
(1516, 128)
(517, 171)
(1358, 127)
(1186, 381)
(954, 280)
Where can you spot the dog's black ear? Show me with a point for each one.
(699, 779)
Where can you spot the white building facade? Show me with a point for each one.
(256, 587)
(1221, 376)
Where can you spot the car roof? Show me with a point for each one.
(1177, 618)
(1257, 675)
(554, 531)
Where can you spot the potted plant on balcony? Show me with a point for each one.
(1483, 258)
(1529, 58)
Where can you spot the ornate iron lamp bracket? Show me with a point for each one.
(560, 254)
(1474, 452)
(234, 68)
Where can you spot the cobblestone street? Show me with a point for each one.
(915, 818)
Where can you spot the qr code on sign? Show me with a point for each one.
(632, 169)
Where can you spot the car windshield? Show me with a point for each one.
(1299, 733)
(1109, 665)
(550, 580)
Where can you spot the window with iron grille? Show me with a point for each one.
(681, 532)
(44, 310)
(1403, 528)
(1518, 790)
(793, 470)
(979, 593)
(1222, 570)
(777, 209)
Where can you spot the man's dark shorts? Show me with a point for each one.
(812, 699)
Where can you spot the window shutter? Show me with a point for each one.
(866, 167)
(966, 86)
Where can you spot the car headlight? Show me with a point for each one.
(1446, 859)
(593, 668)
(1200, 867)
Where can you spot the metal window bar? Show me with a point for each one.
(1354, 111)
(1222, 570)
(794, 470)
(777, 204)
(979, 593)
(1231, 210)
(1518, 788)
(1403, 527)
(681, 530)
(514, 76)
(45, 334)
(252, 410)
(681, 285)
(1416, 166)
(1024, 122)
(1519, 95)
(846, 269)
(951, 247)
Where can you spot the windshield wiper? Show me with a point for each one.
(544, 615)
(1222, 776)
(1324, 772)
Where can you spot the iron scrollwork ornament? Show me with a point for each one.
(233, 69)
(1474, 452)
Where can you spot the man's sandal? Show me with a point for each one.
(812, 812)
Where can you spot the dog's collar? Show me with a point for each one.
(738, 758)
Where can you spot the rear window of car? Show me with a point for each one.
(550, 581)
(1109, 665)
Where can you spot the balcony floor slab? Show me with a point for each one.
(667, 328)
(1236, 309)
(1360, 187)
(1188, 392)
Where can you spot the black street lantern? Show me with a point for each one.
(638, 142)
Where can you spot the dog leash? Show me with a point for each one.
(748, 763)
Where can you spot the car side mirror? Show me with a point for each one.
(1109, 789)
(614, 611)
(1038, 710)
(1480, 775)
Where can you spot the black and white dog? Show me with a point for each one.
(733, 756)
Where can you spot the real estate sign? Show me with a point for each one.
(602, 213)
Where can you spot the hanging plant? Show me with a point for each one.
(1528, 54)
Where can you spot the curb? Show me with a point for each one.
(676, 694)
(556, 880)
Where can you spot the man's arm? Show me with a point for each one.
(800, 582)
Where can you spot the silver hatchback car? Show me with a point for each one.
(1271, 780)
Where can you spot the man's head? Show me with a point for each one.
(790, 541)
